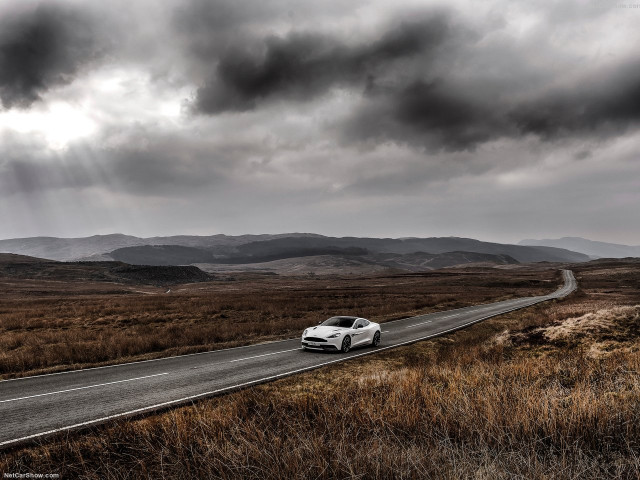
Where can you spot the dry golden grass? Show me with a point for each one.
(602, 322)
(49, 326)
(460, 406)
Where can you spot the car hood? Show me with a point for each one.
(323, 332)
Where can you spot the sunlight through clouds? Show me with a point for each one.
(58, 123)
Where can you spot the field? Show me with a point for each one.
(552, 391)
(48, 326)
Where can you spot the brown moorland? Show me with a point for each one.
(48, 325)
(501, 399)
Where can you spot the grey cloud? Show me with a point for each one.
(28, 167)
(32, 176)
(442, 115)
(428, 115)
(170, 164)
(582, 154)
(209, 27)
(611, 103)
(43, 48)
(406, 80)
(139, 161)
(304, 65)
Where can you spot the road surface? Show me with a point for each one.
(34, 407)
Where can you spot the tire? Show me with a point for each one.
(346, 344)
(376, 340)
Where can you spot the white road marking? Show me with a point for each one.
(82, 388)
(418, 324)
(263, 355)
(429, 321)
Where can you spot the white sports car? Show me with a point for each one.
(341, 334)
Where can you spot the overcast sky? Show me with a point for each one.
(494, 120)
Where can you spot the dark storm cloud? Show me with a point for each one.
(442, 115)
(405, 78)
(303, 65)
(430, 115)
(42, 48)
(610, 103)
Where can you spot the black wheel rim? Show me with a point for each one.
(376, 339)
(346, 344)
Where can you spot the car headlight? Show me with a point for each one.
(305, 332)
(335, 335)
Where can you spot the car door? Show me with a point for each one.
(369, 330)
(359, 335)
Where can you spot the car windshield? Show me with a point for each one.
(344, 322)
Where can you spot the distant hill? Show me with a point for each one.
(310, 265)
(23, 267)
(435, 245)
(588, 247)
(178, 255)
(65, 249)
(363, 264)
(421, 261)
(185, 250)
(341, 262)
(99, 246)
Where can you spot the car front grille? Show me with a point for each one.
(314, 339)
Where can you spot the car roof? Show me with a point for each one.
(349, 317)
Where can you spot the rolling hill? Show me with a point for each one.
(23, 267)
(362, 264)
(588, 247)
(99, 246)
(435, 245)
(254, 249)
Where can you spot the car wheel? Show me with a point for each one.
(346, 344)
(376, 340)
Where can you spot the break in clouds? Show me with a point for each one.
(498, 120)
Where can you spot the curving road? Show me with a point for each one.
(38, 406)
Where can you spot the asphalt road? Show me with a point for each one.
(34, 407)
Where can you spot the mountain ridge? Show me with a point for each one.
(593, 248)
(259, 248)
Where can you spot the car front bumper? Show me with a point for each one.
(331, 344)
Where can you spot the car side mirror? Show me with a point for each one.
(360, 326)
